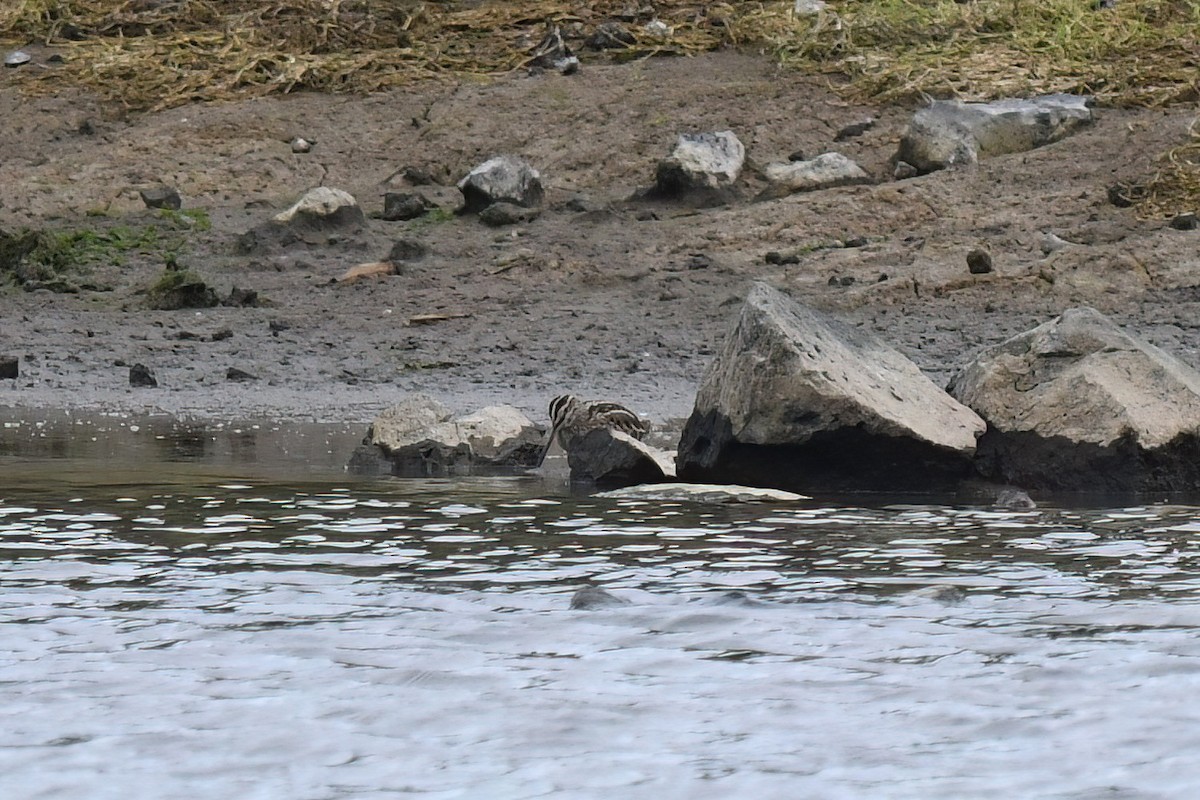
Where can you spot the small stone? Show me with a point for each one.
(16, 58)
(1185, 222)
(239, 375)
(9, 366)
(797, 155)
(141, 375)
(856, 241)
(610, 36)
(1052, 243)
(161, 197)
(903, 171)
(499, 214)
(657, 29)
(979, 261)
(855, 129)
(1124, 195)
(222, 335)
(241, 298)
(86, 128)
(407, 250)
(301, 145)
(779, 259)
(808, 8)
(416, 176)
(398, 206)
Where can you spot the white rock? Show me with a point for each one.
(823, 172)
(323, 201)
(703, 493)
(808, 8)
(701, 162)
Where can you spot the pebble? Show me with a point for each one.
(141, 375)
(16, 58)
(301, 145)
(979, 261)
(9, 366)
(1185, 222)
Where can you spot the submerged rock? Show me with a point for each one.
(797, 400)
(708, 493)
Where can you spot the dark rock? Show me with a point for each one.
(241, 298)
(221, 335)
(778, 258)
(416, 176)
(180, 288)
(611, 459)
(504, 179)
(1077, 404)
(239, 375)
(500, 214)
(610, 36)
(856, 241)
(162, 197)
(405, 205)
(9, 366)
(796, 400)
(1185, 222)
(797, 155)
(590, 597)
(407, 250)
(979, 261)
(552, 52)
(1125, 195)
(854, 130)
(140, 375)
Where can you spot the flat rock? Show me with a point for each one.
(504, 213)
(708, 493)
(503, 179)
(1079, 404)
(324, 206)
(949, 132)
(398, 206)
(823, 172)
(796, 400)
(422, 438)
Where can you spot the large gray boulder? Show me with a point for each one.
(703, 166)
(796, 400)
(949, 132)
(503, 179)
(1079, 404)
(420, 437)
(610, 459)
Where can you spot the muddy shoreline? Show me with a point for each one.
(599, 296)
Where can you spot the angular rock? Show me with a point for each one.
(503, 179)
(979, 261)
(948, 132)
(162, 197)
(707, 493)
(796, 400)
(9, 366)
(421, 438)
(823, 172)
(142, 376)
(611, 459)
(1078, 404)
(705, 165)
(610, 36)
(324, 207)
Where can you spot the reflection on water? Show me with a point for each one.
(218, 636)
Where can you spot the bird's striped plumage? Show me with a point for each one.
(572, 418)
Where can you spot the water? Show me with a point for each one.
(181, 629)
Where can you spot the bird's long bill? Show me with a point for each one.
(549, 444)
